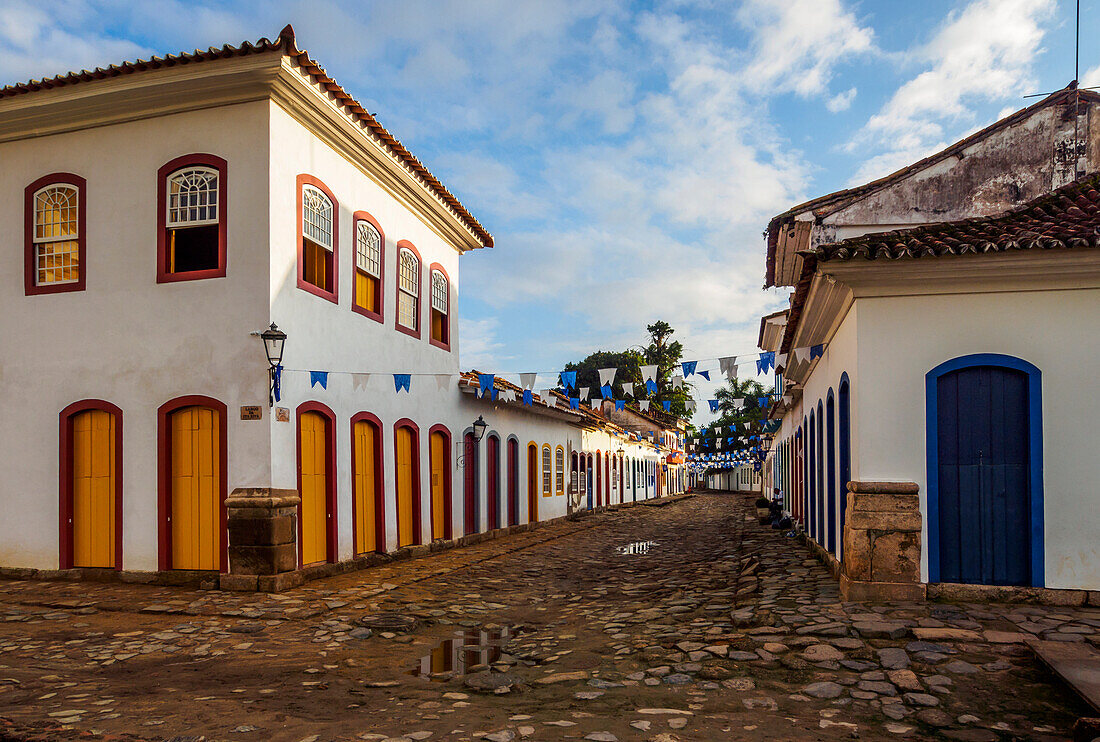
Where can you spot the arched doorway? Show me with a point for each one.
(470, 515)
(845, 435)
(316, 484)
(192, 484)
(368, 518)
(588, 486)
(532, 482)
(599, 480)
(492, 466)
(407, 481)
(830, 474)
(985, 510)
(91, 485)
(513, 482)
(439, 457)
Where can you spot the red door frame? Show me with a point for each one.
(492, 471)
(164, 476)
(330, 474)
(532, 482)
(513, 481)
(447, 512)
(599, 480)
(469, 483)
(607, 478)
(416, 491)
(65, 476)
(379, 486)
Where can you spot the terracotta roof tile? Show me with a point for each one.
(285, 44)
(1068, 217)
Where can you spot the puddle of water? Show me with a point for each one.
(637, 547)
(466, 649)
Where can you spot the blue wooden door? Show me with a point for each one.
(588, 480)
(983, 502)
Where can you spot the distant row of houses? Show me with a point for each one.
(947, 434)
(168, 211)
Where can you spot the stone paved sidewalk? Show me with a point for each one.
(722, 629)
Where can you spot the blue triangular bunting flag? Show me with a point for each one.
(689, 367)
(528, 397)
(713, 405)
(817, 351)
(606, 391)
(620, 404)
(574, 403)
(485, 383)
(569, 379)
(667, 405)
(318, 377)
(705, 374)
(651, 386)
(402, 381)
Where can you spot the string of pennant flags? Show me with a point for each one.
(727, 366)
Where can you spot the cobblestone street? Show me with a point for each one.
(721, 629)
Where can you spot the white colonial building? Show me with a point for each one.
(933, 350)
(163, 212)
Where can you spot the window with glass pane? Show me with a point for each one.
(440, 303)
(317, 238)
(408, 289)
(547, 473)
(559, 469)
(56, 235)
(368, 267)
(192, 224)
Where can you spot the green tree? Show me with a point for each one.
(665, 353)
(628, 363)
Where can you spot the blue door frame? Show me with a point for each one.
(830, 473)
(845, 434)
(1035, 454)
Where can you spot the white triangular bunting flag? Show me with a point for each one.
(359, 381)
(644, 405)
(607, 376)
(583, 392)
(690, 405)
(781, 360)
(649, 373)
(738, 403)
(545, 396)
(443, 381)
(798, 355)
(678, 382)
(628, 388)
(507, 395)
(527, 381)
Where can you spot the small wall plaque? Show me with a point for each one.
(251, 412)
(282, 414)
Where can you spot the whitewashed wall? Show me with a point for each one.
(127, 339)
(901, 339)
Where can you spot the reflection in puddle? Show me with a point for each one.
(638, 547)
(468, 648)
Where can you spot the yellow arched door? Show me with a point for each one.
(366, 486)
(405, 532)
(438, 453)
(314, 526)
(94, 489)
(195, 488)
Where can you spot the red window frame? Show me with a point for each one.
(419, 296)
(450, 302)
(334, 295)
(65, 477)
(30, 268)
(379, 487)
(362, 216)
(164, 476)
(204, 160)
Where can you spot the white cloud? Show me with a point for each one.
(479, 346)
(798, 43)
(1091, 78)
(841, 101)
(984, 52)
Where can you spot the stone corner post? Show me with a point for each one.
(882, 543)
(263, 545)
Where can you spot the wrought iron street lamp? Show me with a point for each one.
(274, 339)
(480, 426)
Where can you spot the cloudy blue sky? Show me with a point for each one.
(626, 156)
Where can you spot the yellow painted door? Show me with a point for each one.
(195, 489)
(439, 491)
(94, 489)
(314, 525)
(366, 483)
(404, 487)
